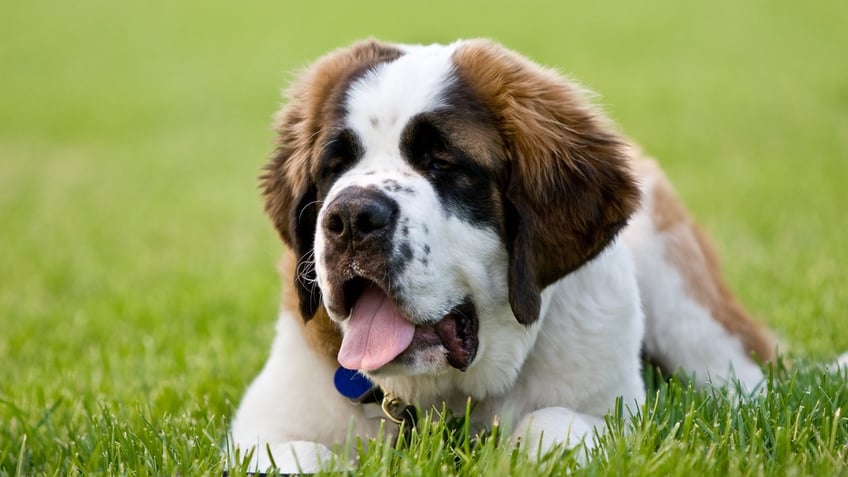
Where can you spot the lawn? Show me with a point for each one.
(137, 280)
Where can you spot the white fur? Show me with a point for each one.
(298, 457)
(681, 333)
(841, 363)
(551, 382)
(541, 430)
(394, 92)
(585, 355)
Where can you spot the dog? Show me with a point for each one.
(462, 223)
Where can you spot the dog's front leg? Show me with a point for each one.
(292, 414)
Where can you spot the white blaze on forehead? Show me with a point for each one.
(382, 102)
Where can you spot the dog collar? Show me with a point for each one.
(358, 389)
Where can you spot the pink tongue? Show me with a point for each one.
(376, 332)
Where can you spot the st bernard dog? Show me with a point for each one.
(462, 223)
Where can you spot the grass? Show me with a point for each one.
(137, 282)
(797, 428)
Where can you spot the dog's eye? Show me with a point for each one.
(439, 161)
(336, 165)
(429, 150)
(338, 154)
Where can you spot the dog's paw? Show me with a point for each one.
(841, 362)
(540, 431)
(296, 457)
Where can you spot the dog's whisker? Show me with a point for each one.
(319, 203)
(306, 270)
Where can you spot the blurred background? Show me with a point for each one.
(136, 264)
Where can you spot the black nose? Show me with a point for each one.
(359, 214)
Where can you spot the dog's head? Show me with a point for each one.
(431, 193)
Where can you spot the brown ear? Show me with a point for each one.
(314, 107)
(570, 189)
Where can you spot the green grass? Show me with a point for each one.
(137, 281)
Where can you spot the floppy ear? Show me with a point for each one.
(569, 190)
(290, 202)
(314, 105)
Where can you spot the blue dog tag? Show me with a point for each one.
(351, 384)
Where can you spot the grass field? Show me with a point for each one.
(137, 280)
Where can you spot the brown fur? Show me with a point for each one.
(690, 251)
(570, 185)
(321, 333)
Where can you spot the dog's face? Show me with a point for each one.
(430, 195)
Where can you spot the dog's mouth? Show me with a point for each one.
(379, 333)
